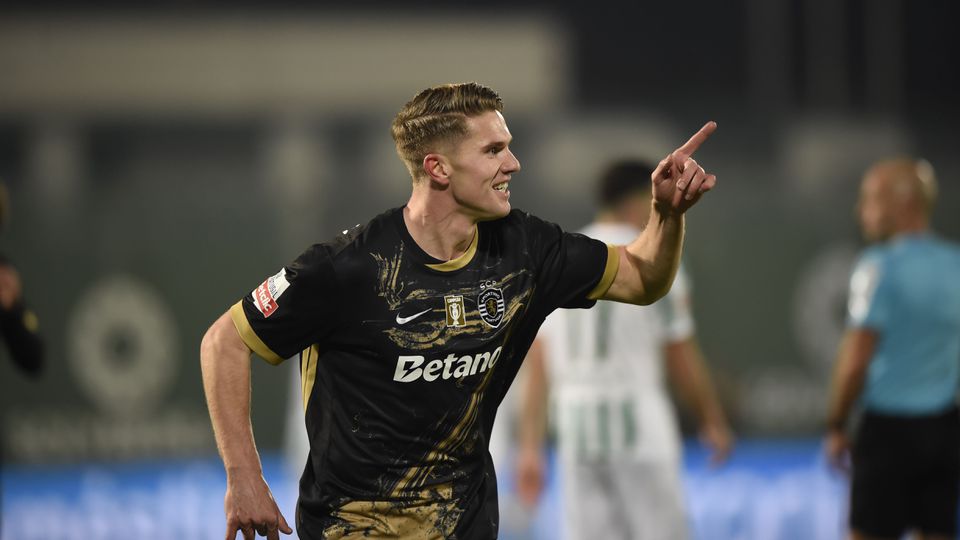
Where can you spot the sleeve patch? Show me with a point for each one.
(265, 296)
(863, 285)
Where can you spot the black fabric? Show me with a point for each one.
(906, 474)
(22, 341)
(403, 404)
(25, 345)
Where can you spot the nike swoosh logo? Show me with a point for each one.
(405, 320)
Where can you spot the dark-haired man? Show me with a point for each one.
(619, 445)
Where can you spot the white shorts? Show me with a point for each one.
(623, 501)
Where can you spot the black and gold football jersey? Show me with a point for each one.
(404, 360)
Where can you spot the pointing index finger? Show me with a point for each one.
(694, 143)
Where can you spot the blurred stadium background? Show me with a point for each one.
(163, 159)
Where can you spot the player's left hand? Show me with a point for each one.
(679, 181)
(250, 508)
(530, 475)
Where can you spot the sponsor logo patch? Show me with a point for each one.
(266, 295)
(405, 320)
(414, 368)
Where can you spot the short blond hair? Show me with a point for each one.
(438, 115)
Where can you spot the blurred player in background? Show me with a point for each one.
(18, 324)
(620, 449)
(410, 329)
(900, 357)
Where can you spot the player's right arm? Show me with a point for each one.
(689, 375)
(868, 312)
(849, 375)
(532, 426)
(225, 362)
(648, 265)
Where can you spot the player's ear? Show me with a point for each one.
(437, 168)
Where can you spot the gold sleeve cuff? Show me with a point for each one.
(31, 322)
(609, 273)
(250, 337)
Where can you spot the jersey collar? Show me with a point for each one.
(432, 262)
(461, 261)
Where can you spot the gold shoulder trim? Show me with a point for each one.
(250, 337)
(609, 273)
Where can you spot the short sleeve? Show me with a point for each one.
(574, 270)
(291, 309)
(675, 309)
(869, 301)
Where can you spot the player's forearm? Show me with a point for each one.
(846, 388)
(225, 363)
(533, 406)
(848, 377)
(844, 392)
(689, 375)
(655, 256)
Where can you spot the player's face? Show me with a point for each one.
(876, 208)
(482, 167)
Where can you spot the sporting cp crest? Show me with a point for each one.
(490, 305)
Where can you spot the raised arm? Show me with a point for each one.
(225, 362)
(649, 263)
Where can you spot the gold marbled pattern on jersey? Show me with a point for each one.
(431, 515)
(431, 330)
(388, 270)
(459, 435)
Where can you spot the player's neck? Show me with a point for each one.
(912, 225)
(442, 235)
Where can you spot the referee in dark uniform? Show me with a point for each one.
(410, 329)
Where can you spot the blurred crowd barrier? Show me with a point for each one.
(772, 490)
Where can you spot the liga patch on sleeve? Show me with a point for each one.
(863, 285)
(266, 295)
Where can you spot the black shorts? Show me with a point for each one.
(906, 474)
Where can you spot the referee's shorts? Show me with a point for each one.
(906, 474)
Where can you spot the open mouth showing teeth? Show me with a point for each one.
(502, 187)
